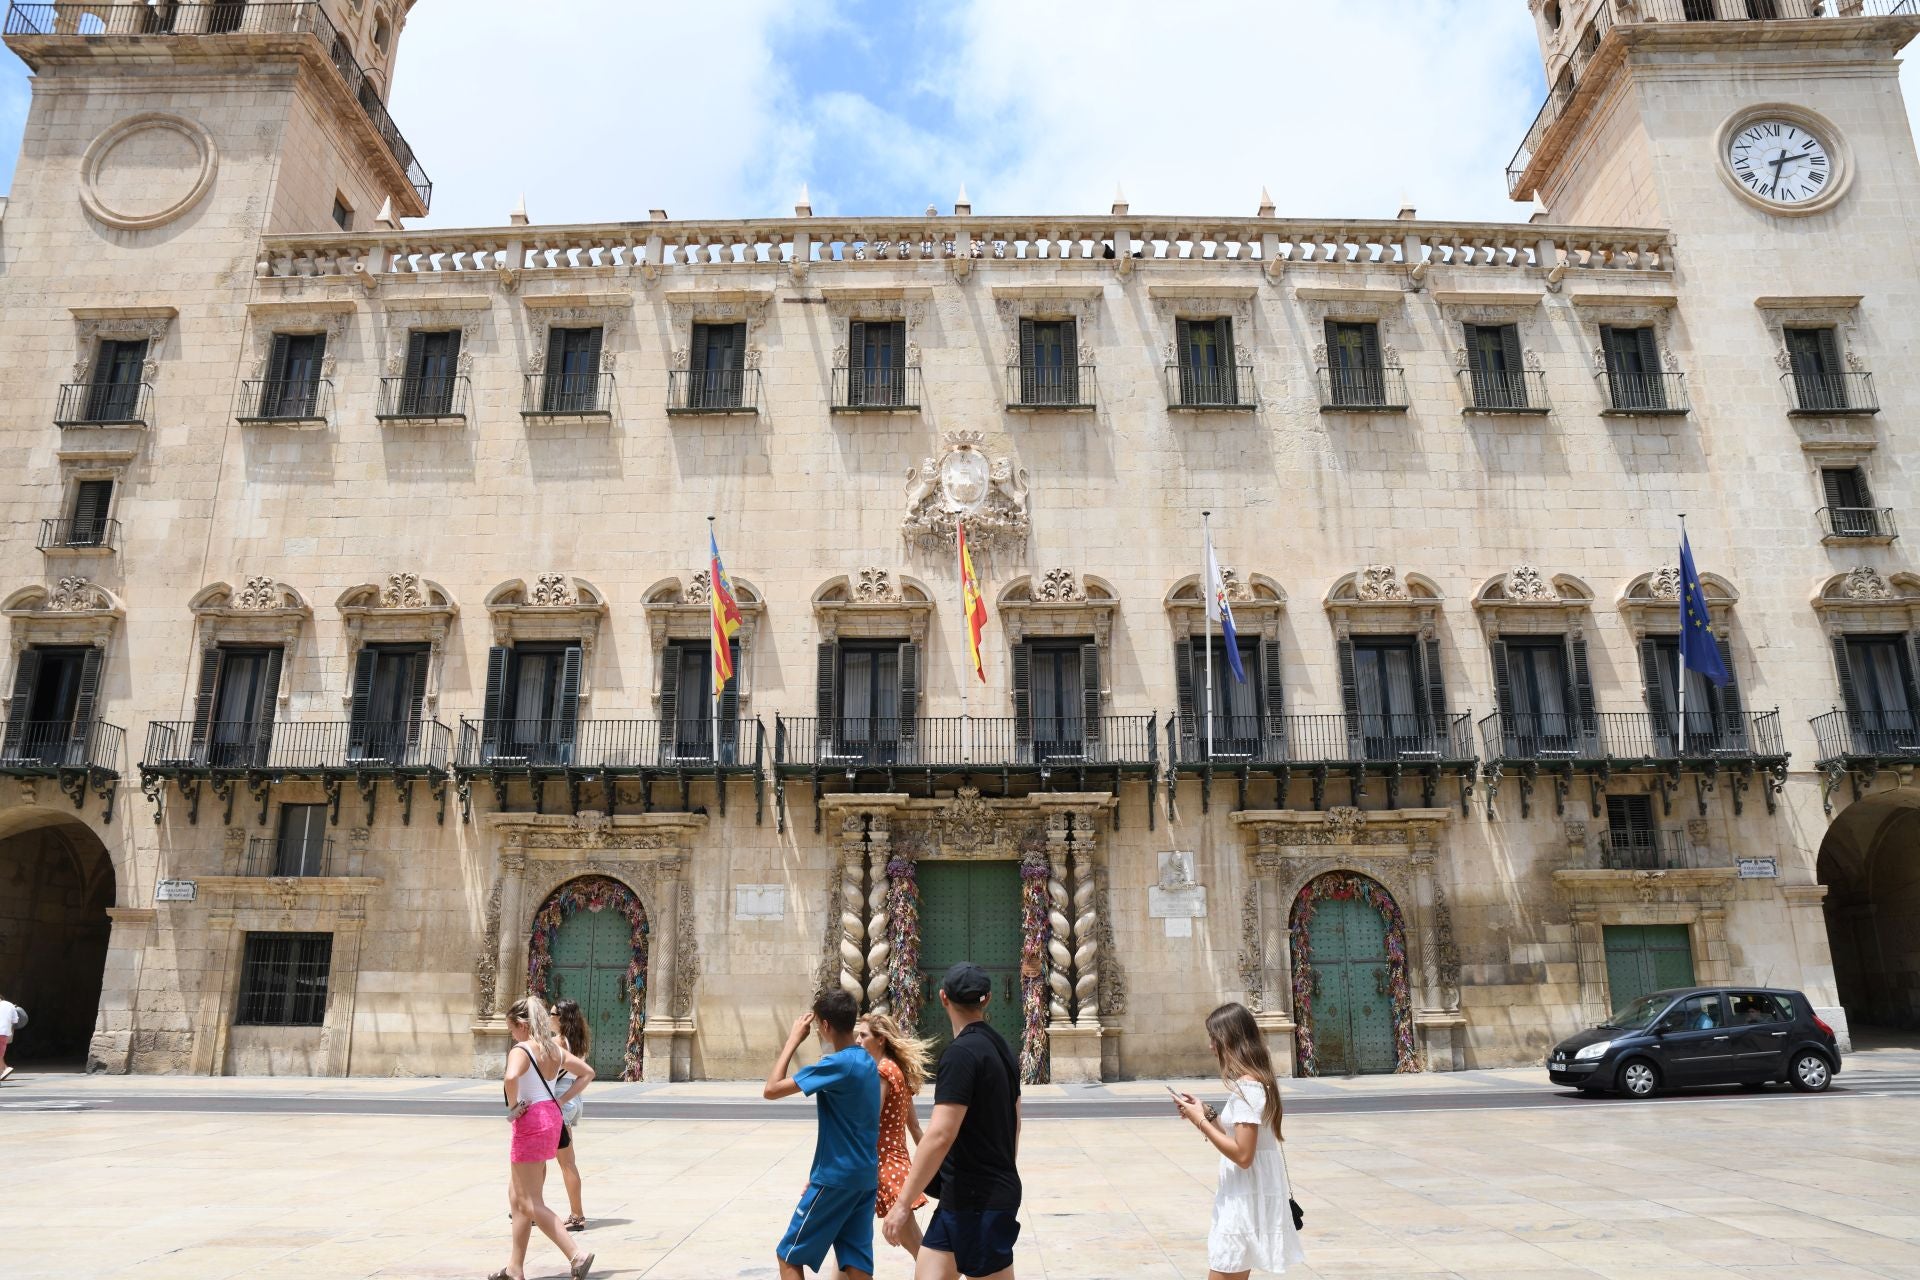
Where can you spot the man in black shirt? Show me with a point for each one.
(972, 1140)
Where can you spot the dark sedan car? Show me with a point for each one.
(1701, 1035)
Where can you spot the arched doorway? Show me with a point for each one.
(56, 884)
(1870, 863)
(1351, 1003)
(590, 945)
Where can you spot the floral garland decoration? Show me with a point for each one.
(903, 966)
(595, 893)
(1347, 886)
(1035, 936)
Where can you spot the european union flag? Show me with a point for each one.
(1698, 652)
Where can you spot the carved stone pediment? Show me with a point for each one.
(989, 492)
(873, 603)
(1302, 833)
(400, 608)
(688, 307)
(1379, 600)
(1865, 599)
(122, 324)
(73, 611)
(678, 610)
(1526, 598)
(1257, 602)
(402, 319)
(1058, 602)
(547, 313)
(1650, 604)
(258, 609)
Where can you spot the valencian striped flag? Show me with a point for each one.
(726, 618)
(1698, 652)
(972, 606)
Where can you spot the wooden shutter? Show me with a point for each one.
(730, 705)
(588, 392)
(417, 706)
(1183, 685)
(264, 709)
(1479, 369)
(1502, 683)
(1582, 680)
(203, 699)
(910, 689)
(1649, 348)
(569, 710)
(90, 502)
(1027, 360)
(359, 730)
(1184, 353)
(1510, 349)
(702, 339)
(856, 362)
(1229, 375)
(1370, 345)
(1436, 689)
(1733, 716)
(26, 673)
(279, 358)
(1021, 670)
(1090, 692)
(1029, 372)
(670, 660)
(556, 352)
(1913, 674)
(553, 388)
(85, 705)
(1834, 481)
(416, 355)
(898, 332)
(493, 705)
(1656, 695)
(1349, 687)
(826, 692)
(1069, 331)
(1273, 694)
(1843, 667)
(1827, 344)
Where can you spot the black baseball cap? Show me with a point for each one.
(967, 983)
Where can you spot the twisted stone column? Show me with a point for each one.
(1086, 936)
(879, 920)
(1060, 984)
(853, 899)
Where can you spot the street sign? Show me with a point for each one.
(175, 891)
(1759, 868)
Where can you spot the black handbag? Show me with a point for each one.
(1299, 1217)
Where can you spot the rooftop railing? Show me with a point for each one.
(955, 743)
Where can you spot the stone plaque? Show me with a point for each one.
(1177, 904)
(175, 891)
(1759, 868)
(1179, 927)
(760, 902)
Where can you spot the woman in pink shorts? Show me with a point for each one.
(536, 1059)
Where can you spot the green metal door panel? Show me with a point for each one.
(591, 954)
(1352, 1004)
(1646, 957)
(1671, 953)
(970, 911)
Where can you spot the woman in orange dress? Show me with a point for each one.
(902, 1060)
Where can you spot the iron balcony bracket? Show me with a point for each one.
(1493, 789)
(1597, 782)
(154, 787)
(223, 790)
(332, 787)
(260, 787)
(463, 785)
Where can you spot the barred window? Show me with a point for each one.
(283, 979)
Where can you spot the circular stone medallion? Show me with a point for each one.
(147, 171)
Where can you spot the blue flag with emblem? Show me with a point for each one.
(1698, 651)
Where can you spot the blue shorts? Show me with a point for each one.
(831, 1216)
(980, 1240)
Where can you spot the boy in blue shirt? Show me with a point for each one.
(837, 1209)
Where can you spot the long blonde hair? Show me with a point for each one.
(532, 1014)
(1242, 1052)
(909, 1053)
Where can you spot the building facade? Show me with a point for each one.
(359, 593)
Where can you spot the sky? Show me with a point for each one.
(601, 110)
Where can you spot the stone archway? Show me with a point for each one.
(1345, 929)
(56, 890)
(1872, 874)
(568, 939)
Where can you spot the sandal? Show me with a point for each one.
(581, 1266)
(503, 1274)
(576, 1223)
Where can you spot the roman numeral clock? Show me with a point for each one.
(1784, 159)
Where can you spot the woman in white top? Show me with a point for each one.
(9, 1014)
(1252, 1211)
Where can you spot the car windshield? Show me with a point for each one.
(1639, 1015)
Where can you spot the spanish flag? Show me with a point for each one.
(726, 618)
(972, 605)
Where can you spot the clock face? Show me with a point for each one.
(1780, 162)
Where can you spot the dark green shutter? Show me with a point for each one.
(416, 355)
(1021, 671)
(856, 362)
(417, 706)
(1184, 360)
(264, 710)
(493, 707)
(203, 699)
(670, 661)
(90, 502)
(26, 673)
(358, 729)
(1183, 685)
(86, 705)
(1510, 349)
(569, 710)
(1029, 368)
(1649, 349)
(826, 694)
(1582, 691)
(910, 690)
(276, 392)
(1502, 683)
(1349, 688)
(554, 394)
(1436, 689)
(730, 706)
(588, 392)
(1843, 667)
(1838, 483)
(1913, 673)
(1069, 331)
(1090, 691)
(1656, 694)
(1733, 717)
(1273, 695)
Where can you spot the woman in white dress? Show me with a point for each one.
(1252, 1216)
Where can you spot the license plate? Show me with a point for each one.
(1559, 1062)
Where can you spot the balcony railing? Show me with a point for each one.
(567, 395)
(1229, 387)
(1037, 743)
(1867, 734)
(1865, 523)
(63, 533)
(858, 389)
(1644, 394)
(1517, 391)
(221, 18)
(1043, 387)
(1377, 390)
(104, 404)
(1260, 741)
(50, 746)
(282, 859)
(713, 391)
(269, 400)
(1819, 395)
(424, 399)
(1623, 850)
(298, 747)
(633, 746)
(1629, 736)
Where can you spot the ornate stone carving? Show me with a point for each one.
(588, 836)
(1059, 586)
(257, 596)
(686, 956)
(403, 591)
(1525, 582)
(1344, 823)
(402, 322)
(590, 829)
(1447, 950)
(90, 329)
(1113, 980)
(486, 968)
(828, 975)
(989, 491)
(1865, 583)
(610, 321)
(552, 591)
(76, 595)
(1378, 582)
(1252, 956)
(331, 322)
(1665, 583)
(700, 589)
(874, 585)
(969, 825)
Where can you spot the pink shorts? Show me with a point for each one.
(536, 1134)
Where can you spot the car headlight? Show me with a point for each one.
(1593, 1050)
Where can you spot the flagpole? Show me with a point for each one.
(1680, 650)
(1206, 597)
(966, 621)
(713, 659)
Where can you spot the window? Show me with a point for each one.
(1545, 695)
(389, 693)
(870, 705)
(1245, 713)
(1049, 362)
(433, 363)
(1061, 696)
(1633, 368)
(533, 701)
(50, 716)
(877, 363)
(1754, 1008)
(1819, 373)
(87, 523)
(342, 213)
(1850, 509)
(1205, 352)
(573, 371)
(1551, 12)
(382, 33)
(1698, 1013)
(1391, 700)
(292, 389)
(719, 366)
(1496, 367)
(118, 369)
(686, 703)
(1632, 837)
(302, 846)
(283, 980)
(1356, 375)
(233, 714)
(1877, 683)
(1714, 720)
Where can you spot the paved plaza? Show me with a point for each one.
(1488, 1175)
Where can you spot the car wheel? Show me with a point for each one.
(1811, 1074)
(1639, 1079)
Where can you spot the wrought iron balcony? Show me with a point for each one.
(1034, 744)
(63, 533)
(1338, 739)
(271, 856)
(286, 401)
(567, 395)
(1848, 736)
(857, 389)
(1043, 388)
(1858, 524)
(1625, 850)
(30, 748)
(713, 391)
(104, 404)
(1200, 390)
(1519, 391)
(209, 19)
(1377, 390)
(1644, 394)
(303, 748)
(1828, 395)
(424, 399)
(1627, 738)
(607, 746)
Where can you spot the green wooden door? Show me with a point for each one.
(591, 954)
(971, 911)
(1646, 957)
(1352, 1007)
